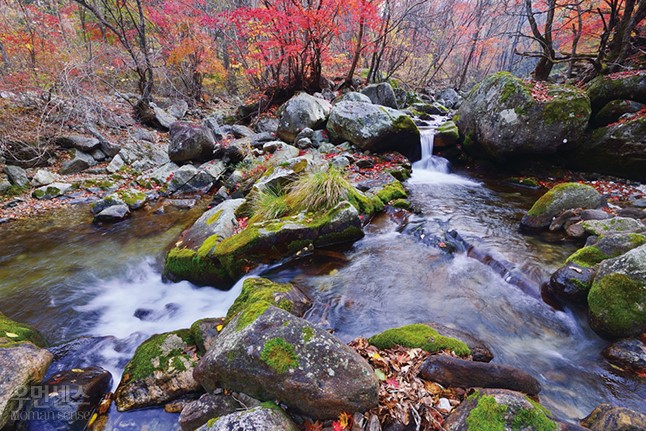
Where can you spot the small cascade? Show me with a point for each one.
(429, 162)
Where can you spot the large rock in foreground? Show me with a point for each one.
(560, 198)
(256, 419)
(300, 112)
(375, 128)
(273, 355)
(618, 296)
(505, 117)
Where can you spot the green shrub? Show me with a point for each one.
(318, 191)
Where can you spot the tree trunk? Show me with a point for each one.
(543, 69)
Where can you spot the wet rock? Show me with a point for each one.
(256, 419)
(449, 371)
(421, 336)
(67, 400)
(607, 417)
(161, 370)
(190, 141)
(352, 96)
(189, 179)
(499, 409)
(113, 214)
(272, 355)
(447, 135)
(629, 354)
(613, 225)
(209, 406)
(81, 143)
(17, 175)
(51, 191)
(302, 111)
(479, 351)
(21, 365)
(618, 294)
(12, 332)
(205, 331)
(501, 119)
(381, 94)
(557, 200)
(80, 162)
(590, 214)
(429, 109)
(572, 282)
(374, 128)
(606, 247)
(183, 204)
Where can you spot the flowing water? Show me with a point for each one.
(72, 279)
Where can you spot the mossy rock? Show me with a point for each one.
(446, 135)
(419, 336)
(12, 333)
(558, 199)
(263, 418)
(620, 86)
(614, 110)
(613, 226)
(500, 410)
(606, 247)
(134, 198)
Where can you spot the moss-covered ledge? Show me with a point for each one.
(12, 333)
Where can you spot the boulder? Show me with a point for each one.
(617, 86)
(607, 417)
(43, 177)
(619, 149)
(613, 225)
(479, 351)
(449, 98)
(143, 155)
(352, 96)
(618, 294)
(51, 191)
(446, 135)
(572, 282)
(205, 331)
(375, 128)
(272, 355)
(434, 108)
(112, 214)
(614, 110)
(161, 370)
(158, 176)
(108, 201)
(160, 118)
(80, 162)
(267, 124)
(502, 410)
(505, 116)
(381, 94)
(215, 168)
(302, 111)
(557, 200)
(81, 143)
(209, 406)
(134, 198)
(193, 257)
(238, 131)
(454, 372)
(628, 354)
(255, 419)
(12, 332)
(189, 179)
(178, 108)
(17, 175)
(190, 141)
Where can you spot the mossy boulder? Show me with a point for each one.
(613, 226)
(205, 331)
(505, 117)
(193, 258)
(207, 408)
(374, 128)
(624, 86)
(619, 149)
(255, 419)
(278, 356)
(134, 198)
(447, 135)
(607, 417)
(500, 410)
(606, 247)
(51, 191)
(161, 370)
(557, 200)
(614, 110)
(618, 294)
(420, 336)
(300, 112)
(572, 282)
(12, 333)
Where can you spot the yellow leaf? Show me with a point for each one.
(77, 370)
(92, 420)
(345, 420)
(219, 327)
(12, 335)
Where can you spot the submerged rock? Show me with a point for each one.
(272, 355)
(607, 417)
(255, 419)
(300, 112)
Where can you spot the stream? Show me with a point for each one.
(71, 279)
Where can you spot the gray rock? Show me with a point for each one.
(256, 419)
(381, 94)
(629, 354)
(98, 155)
(51, 191)
(134, 198)
(614, 110)
(607, 417)
(205, 332)
(159, 176)
(4, 185)
(178, 108)
(209, 406)
(305, 133)
(80, 162)
(143, 135)
(434, 108)
(449, 98)
(270, 147)
(279, 356)
(259, 139)
(613, 225)
(267, 124)
(115, 164)
(21, 366)
(215, 168)
(106, 202)
(340, 161)
(17, 175)
(284, 153)
(352, 96)
(112, 214)
(190, 141)
(302, 111)
(604, 89)
(374, 128)
(319, 137)
(594, 215)
(455, 372)
(630, 212)
(326, 148)
(304, 143)
(143, 156)
(238, 131)
(188, 179)
(81, 143)
(161, 119)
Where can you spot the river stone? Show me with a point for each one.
(68, 400)
(82, 143)
(189, 179)
(559, 199)
(113, 214)
(594, 215)
(618, 294)
(17, 175)
(190, 141)
(619, 149)
(617, 86)
(502, 119)
(205, 331)
(302, 111)
(278, 356)
(628, 354)
(499, 409)
(446, 135)
(43, 177)
(606, 247)
(381, 94)
(606, 417)
(209, 406)
(161, 370)
(255, 419)
(12, 332)
(108, 201)
(572, 282)
(352, 96)
(193, 257)
(613, 226)
(374, 128)
(51, 191)
(21, 365)
(134, 198)
(80, 162)
(479, 351)
(455, 372)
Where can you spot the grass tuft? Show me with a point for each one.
(319, 191)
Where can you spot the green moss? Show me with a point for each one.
(208, 245)
(419, 336)
(38, 193)
(308, 333)
(270, 405)
(636, 239)
(349, 234)
(448, 129)
(617, 301)
(402, 204)
(132, 197)
(389, 192)
(368, 205)
(544, 202)
(212, 421)
(185, 263)
(536, 419)
(279, 355)
(15, 190)
(215, 217)
(587, 257)
(568, 104)
(525, 181)
(488, 415)
(405, 124)
(256, 296)
(12, 332)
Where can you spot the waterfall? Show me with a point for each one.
(429, 162)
